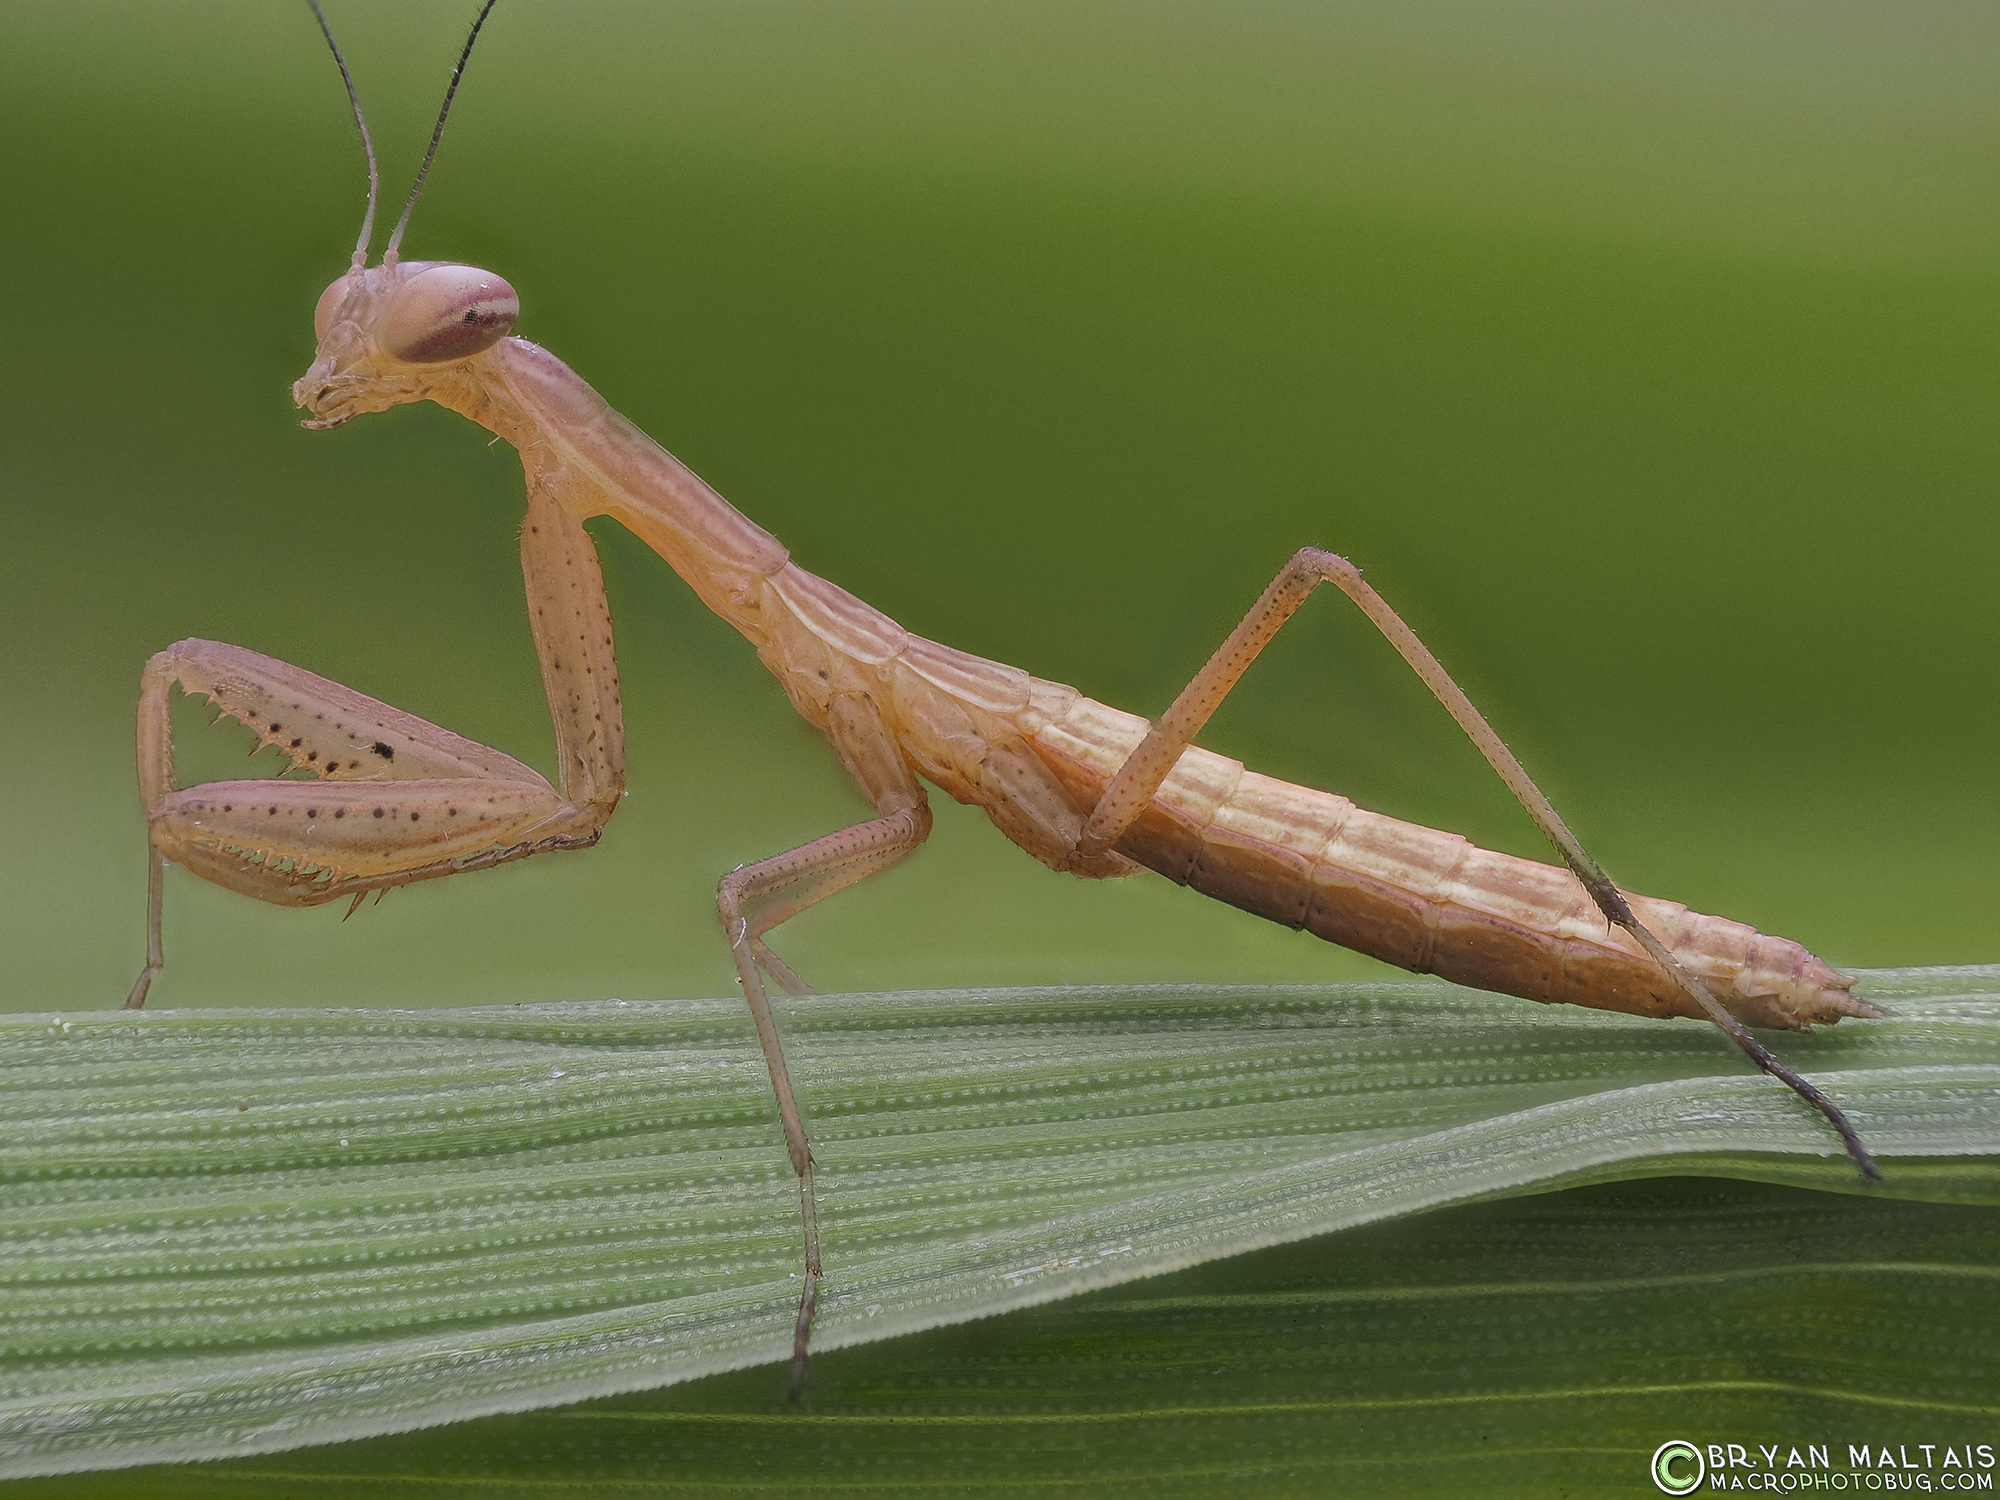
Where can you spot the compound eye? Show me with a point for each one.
(328, 309)
(446, 314)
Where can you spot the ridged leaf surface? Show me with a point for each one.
(233, 1232)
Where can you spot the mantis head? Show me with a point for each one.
(386, 333)
(389, 333)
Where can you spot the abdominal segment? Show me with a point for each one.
(1427, 901)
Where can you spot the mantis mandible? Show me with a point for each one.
(1086, 789)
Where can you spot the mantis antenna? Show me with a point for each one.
(437, 134)
(360, 121)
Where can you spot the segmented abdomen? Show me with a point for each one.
(1423, 900)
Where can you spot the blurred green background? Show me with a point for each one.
(1643, 354)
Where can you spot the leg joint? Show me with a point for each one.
(729, 893)
(1321, 566)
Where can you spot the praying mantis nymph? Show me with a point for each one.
(392, 799)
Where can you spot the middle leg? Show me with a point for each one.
(755, 898)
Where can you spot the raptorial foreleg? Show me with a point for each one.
(394, 799)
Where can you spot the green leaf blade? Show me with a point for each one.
(232, 1232)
